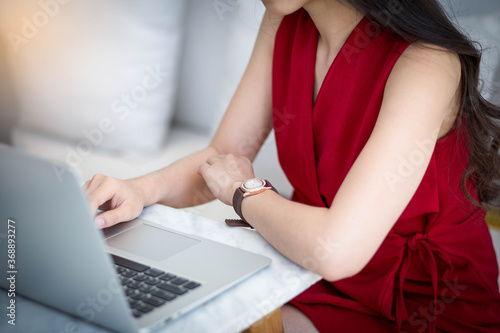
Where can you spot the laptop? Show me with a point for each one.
(132, 277)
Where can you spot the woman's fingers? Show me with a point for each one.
(122, 213)
(215, 158)
(100, 194)
(120, 199)
(223, 173)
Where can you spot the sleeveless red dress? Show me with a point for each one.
(436, 270)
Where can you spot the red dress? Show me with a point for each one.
(436, 270)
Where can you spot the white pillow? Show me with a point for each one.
(220, 36)
(99, 73)
(245, 25)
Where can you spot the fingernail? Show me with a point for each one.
(99, 222)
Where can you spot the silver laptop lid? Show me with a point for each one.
(43, 266)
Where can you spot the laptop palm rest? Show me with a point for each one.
(150, 242)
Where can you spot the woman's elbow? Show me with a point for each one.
(339, 268)
(336, 258)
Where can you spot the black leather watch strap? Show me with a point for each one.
(238, 223)
(237, 200)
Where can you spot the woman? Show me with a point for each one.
(390, 148)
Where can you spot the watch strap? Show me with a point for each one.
(237, 200)
(238, 223)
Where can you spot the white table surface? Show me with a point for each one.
(231, 311)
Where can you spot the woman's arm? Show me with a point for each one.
(420, 103)
(244, 128)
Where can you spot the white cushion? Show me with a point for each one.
(100, 73)
(181, 143)
(245, 24)
(220, 37)
(202, 65)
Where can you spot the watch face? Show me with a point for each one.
(253, 184)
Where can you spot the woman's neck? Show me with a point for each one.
(334, 21)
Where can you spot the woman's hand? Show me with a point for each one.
(122, 200)
(224, 174)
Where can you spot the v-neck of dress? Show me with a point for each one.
(314, 52)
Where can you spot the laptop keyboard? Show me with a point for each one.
(148, 288)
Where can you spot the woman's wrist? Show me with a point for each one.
(253, 204)
(147, 188)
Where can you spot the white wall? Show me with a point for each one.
(475, 7)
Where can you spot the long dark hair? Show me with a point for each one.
(426, 21)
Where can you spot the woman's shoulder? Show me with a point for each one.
(431, 60)
(423, 67)
(428, 76)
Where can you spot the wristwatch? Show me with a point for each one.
(249, 187)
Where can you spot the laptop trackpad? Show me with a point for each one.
(150, 242)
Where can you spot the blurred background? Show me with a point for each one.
(67, 65)
(72, 61)
(124, 87)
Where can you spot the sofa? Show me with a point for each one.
(185, 57)
(123, 88)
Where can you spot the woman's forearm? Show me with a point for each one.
(178, 185)
(304, 234)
